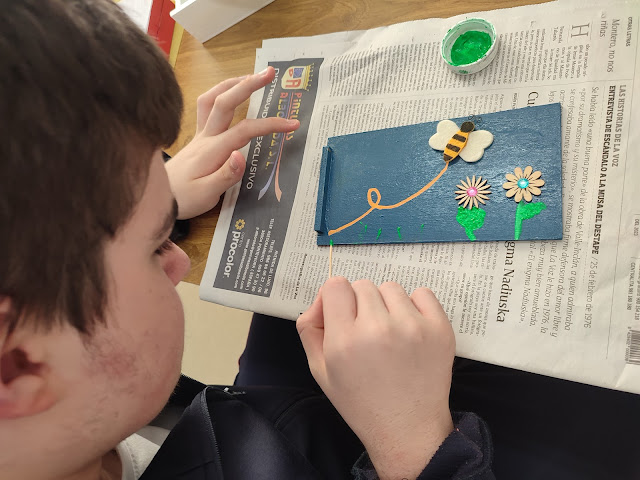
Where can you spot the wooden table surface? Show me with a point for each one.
(232, 53)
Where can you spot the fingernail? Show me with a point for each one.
(293, 123)
(243, 77)
(264, 72)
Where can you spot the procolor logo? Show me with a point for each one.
(235, 237)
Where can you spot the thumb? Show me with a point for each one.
(310, 327)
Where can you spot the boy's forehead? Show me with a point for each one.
(157, 208)
(167, 222)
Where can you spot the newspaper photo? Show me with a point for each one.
(566, 308)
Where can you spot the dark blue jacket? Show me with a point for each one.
(252, 433)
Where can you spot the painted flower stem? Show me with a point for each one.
(519, 219)
(525, 211)
(471, 220)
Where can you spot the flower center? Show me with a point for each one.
(523, 183)
(472, 192)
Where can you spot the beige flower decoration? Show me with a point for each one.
(472, 191)
(523, 184)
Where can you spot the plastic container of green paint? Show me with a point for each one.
(469, 46)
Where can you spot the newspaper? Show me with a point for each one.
(568, 308)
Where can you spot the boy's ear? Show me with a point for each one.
(24, 389)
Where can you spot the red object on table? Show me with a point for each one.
(161, 24)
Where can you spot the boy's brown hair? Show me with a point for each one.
(85, 99)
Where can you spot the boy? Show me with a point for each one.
(91, 328)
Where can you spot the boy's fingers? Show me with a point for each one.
(427, 303)
(216, 170)
(226, 176)
(310, 327)
(226, 103)
(206, 101)
(370, 304)
(242, 133)
(339, 306)
(396, 299)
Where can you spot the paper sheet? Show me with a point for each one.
(138, 10)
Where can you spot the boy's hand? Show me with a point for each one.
(210, 164)
(384, 359)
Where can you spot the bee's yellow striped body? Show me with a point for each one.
(458, 141)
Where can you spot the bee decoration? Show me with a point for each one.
(465, 142)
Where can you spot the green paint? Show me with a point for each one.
(399, 236)
(379, 233)
(422, 227)
(331, 242)
(470, 47)
(525, 211)
(471, 220)
(363, 232)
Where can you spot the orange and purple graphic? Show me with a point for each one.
(288, 107)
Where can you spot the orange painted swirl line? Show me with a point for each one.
(375, 205)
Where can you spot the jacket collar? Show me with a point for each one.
(190, 451)
(246, 441)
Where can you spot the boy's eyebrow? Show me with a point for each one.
(168, 222)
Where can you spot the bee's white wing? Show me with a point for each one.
(445, 130)
(474, 149)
